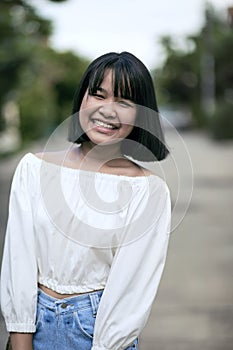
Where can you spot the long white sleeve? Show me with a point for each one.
(132, 284)
(19, 269)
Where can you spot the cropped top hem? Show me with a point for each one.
(20, 327)
(69, 289)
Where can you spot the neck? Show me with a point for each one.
(102, 153)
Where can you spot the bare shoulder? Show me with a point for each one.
(135, 169)
(66, 158)
(52, 157)
(147, 172)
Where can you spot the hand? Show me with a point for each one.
(21, 341)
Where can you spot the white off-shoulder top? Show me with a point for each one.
(77, 231)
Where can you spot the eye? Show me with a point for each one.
(125, 103)
(98, 95)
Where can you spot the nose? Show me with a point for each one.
(108, 110)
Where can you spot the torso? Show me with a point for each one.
(73, 159)
(56, 295)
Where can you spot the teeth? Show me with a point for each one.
(100, 123)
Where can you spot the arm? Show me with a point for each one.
(19, 267)
(21, 341)
(132, 284)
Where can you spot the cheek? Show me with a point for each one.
(83, 118)
(87, 109)
(130, 118)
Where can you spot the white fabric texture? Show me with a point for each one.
(77, 231)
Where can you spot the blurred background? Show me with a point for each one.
(46, 45)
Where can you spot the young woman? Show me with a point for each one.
(88, 227)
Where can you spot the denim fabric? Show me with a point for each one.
(67, 324)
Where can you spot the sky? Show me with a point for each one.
(92, 28)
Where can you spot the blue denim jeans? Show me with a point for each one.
(67, 324)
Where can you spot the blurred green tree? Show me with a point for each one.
(21, 29)
(200, 76)
(46, 90)
(70, 69)
(38, 78)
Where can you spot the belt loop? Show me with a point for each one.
(94, 298)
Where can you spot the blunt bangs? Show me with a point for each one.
(123, 84)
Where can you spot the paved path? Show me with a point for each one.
(194, 306)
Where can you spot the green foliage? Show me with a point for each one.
(46, 90)
(21, 30)
(38, 110)
(186, 77)
(39, 79)
(221, 123)
(224, 62)
(71, 69)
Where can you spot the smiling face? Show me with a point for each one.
(104, 117)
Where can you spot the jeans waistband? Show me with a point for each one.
(74, 303)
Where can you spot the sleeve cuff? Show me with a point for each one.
(20, 327)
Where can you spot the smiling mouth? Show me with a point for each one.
(98, 122)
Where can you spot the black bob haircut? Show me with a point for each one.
(131, 80)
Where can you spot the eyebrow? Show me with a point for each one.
(99, 88)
